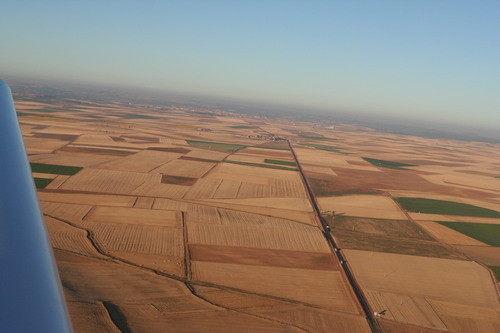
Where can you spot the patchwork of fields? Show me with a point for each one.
(200, 221)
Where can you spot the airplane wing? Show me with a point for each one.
(31, 297)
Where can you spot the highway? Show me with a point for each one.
(340, 256)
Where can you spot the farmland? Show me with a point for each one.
(432, 206)
(486, 233)
(195, 220)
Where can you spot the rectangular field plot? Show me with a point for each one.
(204, 188)
(71, 159)
(288, 214)
(405, 309)
(486, 233)
(280, 238)
(220, 146)
(138, 238)
(277, 188)
(457, 281)
(228, 189)
(185, 168)
(54, 169)
(432, 206)
(36, 146)
(302, 285)
(467, 318)
(155, 189)
(207, 155)
(448, 235)
(88, 199)
(108, 181)
(166, 218)
(65, 211)
(193, 213)
(293, 204)
(373, 206)
(489, 255)
(238, 218)
(143, 161)
(263, 257)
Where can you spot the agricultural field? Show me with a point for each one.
(185, 219)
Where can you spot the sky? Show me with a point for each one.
(423, 60)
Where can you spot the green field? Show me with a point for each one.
(41, 182)
(324, 147)
(279, 162)
(483, 232)
(54, 169)
(387, 164)
(275, 148)
(431, 206)
(321, 138)
(269, 166)
(215, 145)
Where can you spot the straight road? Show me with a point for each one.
(340, 256)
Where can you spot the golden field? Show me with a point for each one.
(164, 219)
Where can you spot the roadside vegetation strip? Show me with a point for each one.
(279, 162)
(275, 148)
(242, 126)
(484, 232)
(388, 164)
(324, 147)
(432, 206)
(216, 145)
(269, 166)
(41, 183)
(54, 169)
(321, 138)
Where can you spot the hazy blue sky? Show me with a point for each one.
(434, 59)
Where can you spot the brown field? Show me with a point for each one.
(373, 206)
(143, 161)
(263, 257)
(303, 285)
(389, 282)
(155, 235)
(490, 255)
(307, 318)
(71, 159)
(91, 317)
(228, 189)
(65, 210)
(57, 182)
(68, 238)
(295, 238)
(448, 235)
(137, 238)
(207, 155)
(88, 199)
(185, 168)
(108, 181)
(144, 202)
(297, 204)
(141, 216)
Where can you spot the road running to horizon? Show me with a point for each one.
(333, 245)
